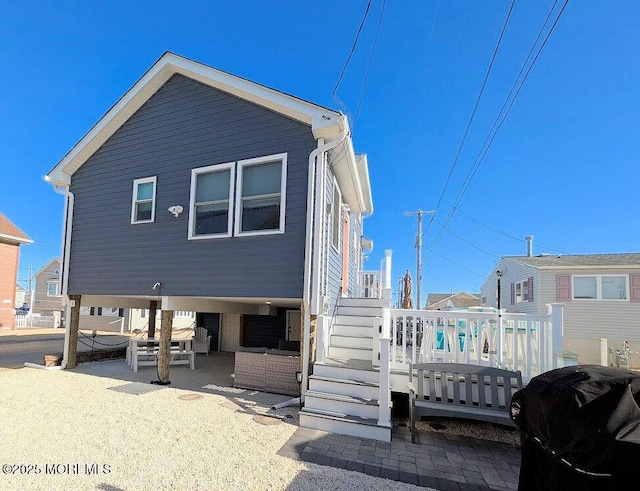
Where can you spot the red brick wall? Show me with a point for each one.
(9, 254)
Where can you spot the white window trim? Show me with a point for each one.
(598, 278)
(57, 283)
(522, 284)
(336, 209)
(192, 200)
(134, 201)
(283, 188)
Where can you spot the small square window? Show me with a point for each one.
(143, 203)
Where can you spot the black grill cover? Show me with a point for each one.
(581, 429)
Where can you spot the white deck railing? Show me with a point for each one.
(368, 284)
(34, 320)
(522, 342)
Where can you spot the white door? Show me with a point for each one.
(294, 325)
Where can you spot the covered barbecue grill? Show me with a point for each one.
(580, 429)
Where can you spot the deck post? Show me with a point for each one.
(384, 401)
(151, 331)
(322, 337)
(74, 323)
(556, 311)
(164, 353)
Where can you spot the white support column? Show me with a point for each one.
(323, 331)
(384, 401)
(501, 341)
(604, 352)
(556, 311)
(387, 269)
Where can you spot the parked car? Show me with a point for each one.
(24, 310)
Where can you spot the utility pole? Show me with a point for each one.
(419, 214)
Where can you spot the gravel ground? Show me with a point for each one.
(61, 430)
(472, 429)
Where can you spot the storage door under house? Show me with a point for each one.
(211, 322)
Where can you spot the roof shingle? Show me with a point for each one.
(10, 233)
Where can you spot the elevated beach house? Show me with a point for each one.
(204, 192)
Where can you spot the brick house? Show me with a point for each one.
(11, 237)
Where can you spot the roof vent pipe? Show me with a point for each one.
(529, 239)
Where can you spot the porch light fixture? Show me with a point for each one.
(176, 210)
(299, 380)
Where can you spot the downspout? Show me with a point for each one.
(66, 234)
(313, 190)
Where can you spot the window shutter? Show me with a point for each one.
(513, 293)
(530, 288)
(634, 281)
(563, 287)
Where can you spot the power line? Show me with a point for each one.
(475, 108)
(346, 63)
(466, 241)
(483, 152)
(366, 74)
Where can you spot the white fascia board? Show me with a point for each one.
(324, 123)
(348, 177)
(20, 240)
(363, 171)
(591, 267)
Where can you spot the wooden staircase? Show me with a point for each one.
(344, 388)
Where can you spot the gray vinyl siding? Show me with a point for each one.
(43, 303)
(186, 125)
(512, 272)
(355, 232)
(333, 256)
(594, 319)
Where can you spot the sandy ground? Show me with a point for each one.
(65, 430)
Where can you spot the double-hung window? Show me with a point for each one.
(211, 197)
(53, 288)
(143, 203)
(260, 200)
(600, 287)
(522, 291)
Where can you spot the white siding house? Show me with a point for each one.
(600, 293)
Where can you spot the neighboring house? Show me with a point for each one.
(600, 293)
(47, 298)
(206, 192)
(21, 296)
(450, 301)
(11, 237)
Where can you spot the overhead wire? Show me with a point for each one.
(483, 152)
(366, 74)
(474, 111)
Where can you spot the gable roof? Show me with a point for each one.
(579, 260)
(10, 233)
(48, 265)
(351, 172)
(460, 299)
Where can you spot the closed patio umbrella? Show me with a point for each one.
(407, 301)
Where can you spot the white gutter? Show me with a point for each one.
(312, 193)
(66, 235)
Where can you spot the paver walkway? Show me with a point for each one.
(440, 461)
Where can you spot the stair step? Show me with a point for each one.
(344, 425)
(363, 311)
(342, 398)
(356, 353)
(351, 342)
(347, 369)
(360, 302)
(352, 388)
(356, 331)
(356, 320)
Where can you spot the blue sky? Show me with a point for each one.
(563, 166)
